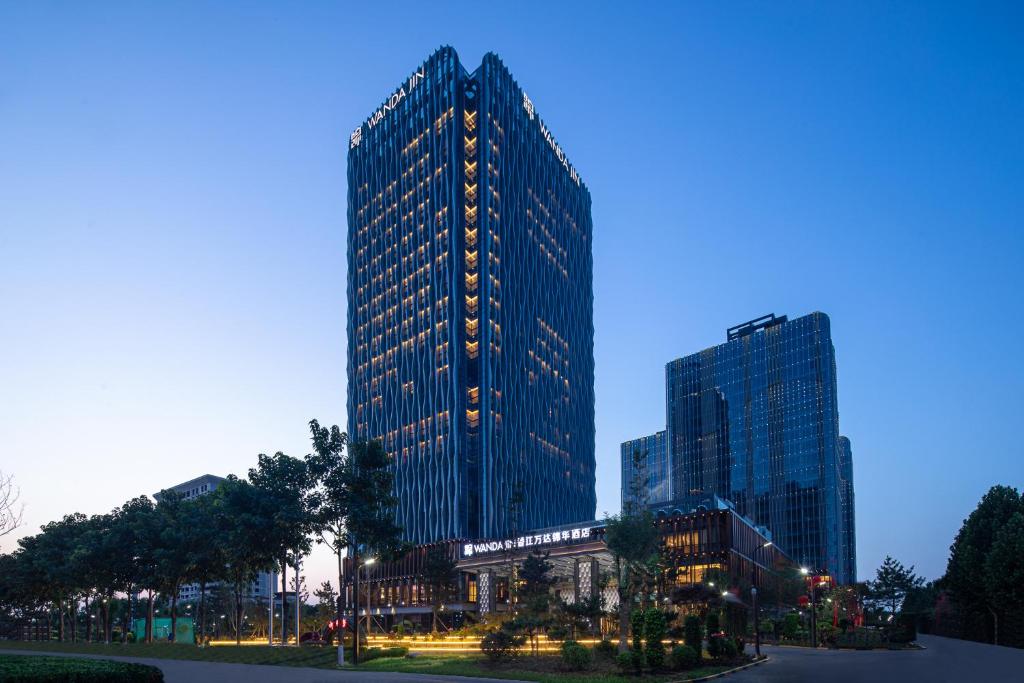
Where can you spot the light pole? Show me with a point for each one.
(814, 620)
(753, 594)
(366, 564)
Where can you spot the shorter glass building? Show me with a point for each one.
(645, 470)
(695, 543)
(755, 421)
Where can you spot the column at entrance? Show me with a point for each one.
(485, 592)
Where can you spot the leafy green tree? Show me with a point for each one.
(1004, 581)
(328, 500)
(354, 504)
(327, 603)
(285, 484)
(49, 552)
(633, 540)
(535, 582)
(242, 515)
(172, 549)
(207, 561)
(440, 576)
(583, 614)
(966, 573)
(892, 583)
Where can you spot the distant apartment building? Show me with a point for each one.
(265, 582)
(756, 421)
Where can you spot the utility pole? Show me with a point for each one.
(272, 577)
(298, 586)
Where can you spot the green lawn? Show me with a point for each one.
(319, 657)
(473, 665)
(545, 669)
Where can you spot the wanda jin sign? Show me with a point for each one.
(387, 107)
(529, 541)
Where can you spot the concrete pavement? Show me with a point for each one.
(183, 671)
(945, 660)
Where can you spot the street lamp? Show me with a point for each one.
(814, 617)
(367, 563)
(753, 594)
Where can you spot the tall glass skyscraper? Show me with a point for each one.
(755, 421)
(849, 552)
(470, 305)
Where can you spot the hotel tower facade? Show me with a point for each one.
(470, 306)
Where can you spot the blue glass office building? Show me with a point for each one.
(653, 468)
(849, 550)
(756, 421)
(470, 305)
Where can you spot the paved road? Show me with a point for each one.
(179, 671)
(944, 661)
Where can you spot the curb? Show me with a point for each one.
(723, 673)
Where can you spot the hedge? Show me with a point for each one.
(34, 669)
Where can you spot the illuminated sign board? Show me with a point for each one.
(555, 147)
(529, 541)
(387, 107)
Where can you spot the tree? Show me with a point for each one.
(285, 484)
(440, 577)
(535, 583)
(11, 510)
(207, 561)
(1004, 581)
(965, 577)
(327, 603)
(355, 503)
(892, 583)
(633, 540)
(242, 516)
(173, 547)
(328, 501)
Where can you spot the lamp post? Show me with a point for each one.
(814, 621)
(753, 594)
(366, 564)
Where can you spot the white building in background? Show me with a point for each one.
(262, 588)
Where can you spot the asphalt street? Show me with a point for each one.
(944, 660)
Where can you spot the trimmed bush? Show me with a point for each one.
(558, 633)
(654, 632)
(32, 669)
(791, 626)
(624, 660)
(693, 637)
(728, 649)
(605, 648)
(638, 660)
(636, 623)
(575, 656)
(904, 630)
(501, 645)
(683, 657)
(714, 624)
(715, 646)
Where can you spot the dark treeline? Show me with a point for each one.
(981, 596)
(78, 570)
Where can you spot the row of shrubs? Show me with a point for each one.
(377, 652)
(33, 669)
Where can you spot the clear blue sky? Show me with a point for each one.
(172, 225)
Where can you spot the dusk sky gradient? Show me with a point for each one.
(173, 225)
